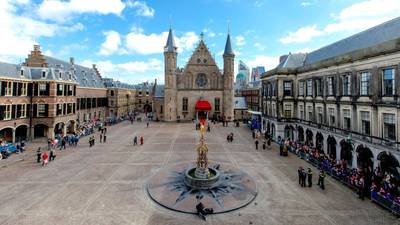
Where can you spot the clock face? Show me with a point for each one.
(201, 80)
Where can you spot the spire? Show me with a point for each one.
(170, 46)
(228, 46)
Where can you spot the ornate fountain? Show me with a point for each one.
(180, 187)
(201, 176)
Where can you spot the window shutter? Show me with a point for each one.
(13, 111)
(46, 110)
(48, 89)
(15, 88)
(2, 110)
(36, 90)
(34, 110)
(28, 110)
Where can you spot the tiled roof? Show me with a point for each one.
(9, 70)
(159, 92)
(86, 77)
(292, 60)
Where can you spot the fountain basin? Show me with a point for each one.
(201, 183)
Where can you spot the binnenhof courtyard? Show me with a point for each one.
(106, 184)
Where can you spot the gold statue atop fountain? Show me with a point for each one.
(202, 161)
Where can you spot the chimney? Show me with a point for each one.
(36, 48)
(94, 66)
(71, 60)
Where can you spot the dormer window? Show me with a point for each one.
(60, 75)
(21, 72)
(43, 74)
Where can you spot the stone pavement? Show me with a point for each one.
(106, 184)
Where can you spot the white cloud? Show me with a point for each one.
(269, 62)
(355, 18)
(304, 34)
(62, 11)
(111, 44)
(19, 33)
(142, 8)
(259, 46)
(240, 41)
(138, 42)
(305, 4)
(131, 72)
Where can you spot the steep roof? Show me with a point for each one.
(159, 91)
(228, 46)
(86, 77)
(292, 60)
(170, 45)
(9, 70)
(387, 31)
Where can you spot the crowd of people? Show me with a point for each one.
(364, 180)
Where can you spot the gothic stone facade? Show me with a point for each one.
(200, 79)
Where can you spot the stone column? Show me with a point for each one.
(338, 151)
(13, 135)
(64, 130)
(354, 159)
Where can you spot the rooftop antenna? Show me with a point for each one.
(170, 21)
(202, 36)
(229, 26)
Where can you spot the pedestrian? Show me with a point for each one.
(208, 128)
(253, 133)
(90, 142)
(228, 138)
(361, 188)
(309, 177)
(101, 138)
(269, 143)
(49, 143)
(300, 173)
(256, 144)
(63, 143)
(105, 130)
(45, 158)
(135, 140)
(147, 124)
(52, 155)
(264, 146)
(141, 140)
(321, 178)
(104, 138)
(38, 154)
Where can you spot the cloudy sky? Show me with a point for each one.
(125, 38)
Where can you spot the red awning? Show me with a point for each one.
(203, 105)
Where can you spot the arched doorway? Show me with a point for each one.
(21, 133)
(319, 142)
(389, 164)
(71, 127)
(309, 137)
(40, 130)
(6, 134)
(331, 141)
(300, 135)
(58, 129)
(289, 132)
(365, 158)
(147, 108)
(346, 152)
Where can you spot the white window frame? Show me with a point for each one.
(7, 112)
(9, 88)
(393, 82)
(365, 78)
(309, 88)
(40, 110)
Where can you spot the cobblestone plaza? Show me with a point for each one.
(106, 184)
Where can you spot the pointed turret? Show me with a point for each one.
(170, 46)
(228, 46)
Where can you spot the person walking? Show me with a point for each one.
(101, 137)
(256, 142)
(309, 177)
(90, 142)
(147, 124)
(52, 155)
(45, 158)
(104, 138)
(269, 143)
(63, 143)
(141, 140)
(38, 154)
(321, 178)
(264, 146)
(135, 140)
